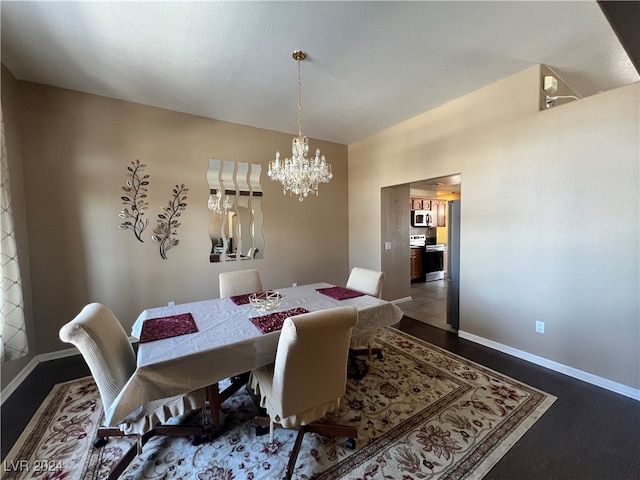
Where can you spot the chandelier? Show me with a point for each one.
(299, 174)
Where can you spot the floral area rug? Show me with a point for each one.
(421, 413)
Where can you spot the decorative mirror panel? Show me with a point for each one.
(235, 203)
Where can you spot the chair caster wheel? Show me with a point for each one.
(379, 356)
(100, 442)
(196, 440)
(261, 431)
(350, 443)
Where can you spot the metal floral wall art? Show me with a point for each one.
(135, 200)
(135, 205)
(168, 222)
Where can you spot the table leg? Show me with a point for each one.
(213, 394)
(216, 397)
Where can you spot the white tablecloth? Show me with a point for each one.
(226, 344)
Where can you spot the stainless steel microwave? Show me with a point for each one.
(421, 218)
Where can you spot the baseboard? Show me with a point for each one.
(33, 363)
(543, 362)
(555, 366)
(18, 379)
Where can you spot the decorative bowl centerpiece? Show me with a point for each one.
(269, 300)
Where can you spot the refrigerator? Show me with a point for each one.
(453, 264)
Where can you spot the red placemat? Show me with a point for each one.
(339, 293)
(167, 327)
(241, 299)
(274, 321)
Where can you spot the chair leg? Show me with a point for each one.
(326, 429)
(331, 430)
(369, 351)
(136, 449)
(263, 424)
(359, 374)
(365, 351)
(294, 453)
(123, 463)
(105, 432)
(127, 458)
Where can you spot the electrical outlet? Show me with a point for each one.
(539, 326)
(387, 245)
(171, 304)
(295, 284)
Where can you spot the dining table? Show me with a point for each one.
(224, 340)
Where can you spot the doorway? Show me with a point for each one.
(432, 294)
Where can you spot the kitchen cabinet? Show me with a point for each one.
(420, 204)
(439, 209)
(416, 264)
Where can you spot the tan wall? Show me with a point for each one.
(395, 230)
(543, 195)
(10, 109)
(76, 148)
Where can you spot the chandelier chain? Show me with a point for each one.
(299, 103)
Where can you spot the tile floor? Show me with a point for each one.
(428, 304)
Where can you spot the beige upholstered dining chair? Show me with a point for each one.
(234, 283)
(368, 282)
(308, 378)
(105, 346)
(239, 282)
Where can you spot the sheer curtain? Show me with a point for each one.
(12, 328)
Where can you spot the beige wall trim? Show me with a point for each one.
(555, 366)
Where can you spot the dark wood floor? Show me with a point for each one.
(588, 433)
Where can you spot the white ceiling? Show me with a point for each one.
(370, 65)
